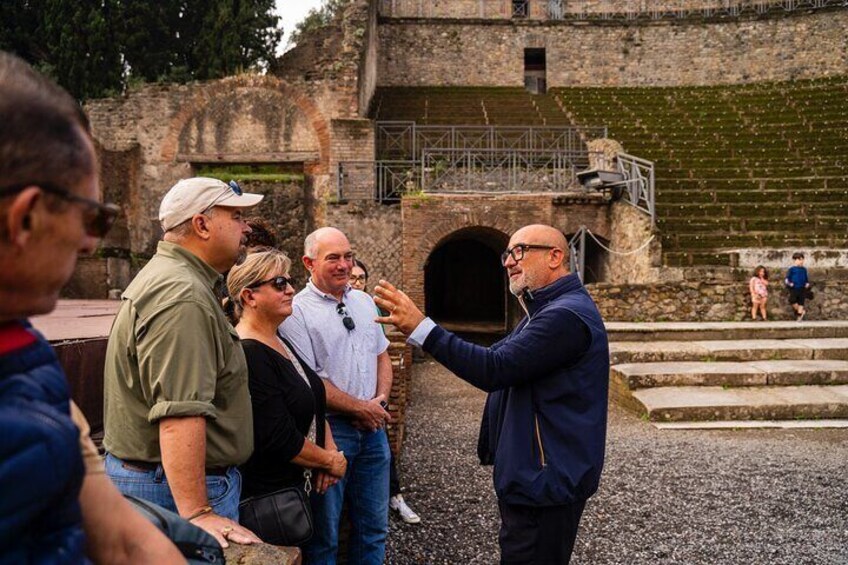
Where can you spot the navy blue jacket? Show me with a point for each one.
(41, 467)
(546, 413)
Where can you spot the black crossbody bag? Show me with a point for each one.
(283, 517)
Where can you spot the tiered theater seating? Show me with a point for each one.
(761, 165)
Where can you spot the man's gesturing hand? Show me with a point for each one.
(403, 313)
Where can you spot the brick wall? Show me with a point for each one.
(490, 53)
(374, 231)
(429, 219)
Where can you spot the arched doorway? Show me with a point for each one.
(465, 285)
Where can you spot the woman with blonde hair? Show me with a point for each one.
(291, 436)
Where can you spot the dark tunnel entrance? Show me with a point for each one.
(464, 283)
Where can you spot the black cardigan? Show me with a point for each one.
(283, 408)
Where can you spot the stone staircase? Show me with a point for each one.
(731, 374)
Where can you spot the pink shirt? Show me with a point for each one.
(759, 287)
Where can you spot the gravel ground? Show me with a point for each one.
(691, 497)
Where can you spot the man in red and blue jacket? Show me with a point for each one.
(51, 510)
(544, 425)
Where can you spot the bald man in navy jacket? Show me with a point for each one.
(544, 424)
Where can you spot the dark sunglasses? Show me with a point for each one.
(279, 283)
(98, 218)
(347, 321)
(233, 187)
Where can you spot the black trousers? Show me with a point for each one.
(532, 535)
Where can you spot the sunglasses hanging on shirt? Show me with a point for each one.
(347, 321)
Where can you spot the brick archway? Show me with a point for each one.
(210, 91)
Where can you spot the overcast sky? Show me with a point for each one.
(291, 12)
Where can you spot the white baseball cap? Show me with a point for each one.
(195, 195)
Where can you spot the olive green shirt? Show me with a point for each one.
(172, 352)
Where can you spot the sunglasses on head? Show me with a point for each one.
(347, 321)
(98, 218)
(279, 283)
(232, 187)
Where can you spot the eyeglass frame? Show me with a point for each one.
(358, 278)
(106, 214)
(233, 187)
(347, 320)
(278, 284)
(524, 247)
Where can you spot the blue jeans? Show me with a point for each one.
(365, 487)
(223, 491)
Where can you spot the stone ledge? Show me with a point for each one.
(262, 554)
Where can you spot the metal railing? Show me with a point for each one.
(382, 181)
(502, 171)
(577, 252)
(639, 189)
(407, 140)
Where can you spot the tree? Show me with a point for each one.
(81, 48)
(148, 37)
(318, 18)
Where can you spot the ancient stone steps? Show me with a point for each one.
(677, 404)
(701, 331)
(707, 372)
(729, 350)
(731, 374)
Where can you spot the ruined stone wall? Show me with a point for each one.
(630, 229)
(171, 129)
(491, 53)
(713, 301)
(369, 61)
(374, 231)
(538, 9)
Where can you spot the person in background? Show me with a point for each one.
(261, 234)
(291, 435)
(359, 281)
(797, 282)
(56, 503)
(758, 286)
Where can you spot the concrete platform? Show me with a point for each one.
(78, 320)
(678, 404)
(752, 425)
(701, 331)
(732, 374)
(728, 350)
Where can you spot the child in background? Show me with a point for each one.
(797, 282)
(758, 286)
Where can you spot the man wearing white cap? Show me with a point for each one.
(177, 410)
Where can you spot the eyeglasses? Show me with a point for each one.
(233, 187)
(279, 283)
(98, 218)
(358, 279)
(518, 250)
(347, 321)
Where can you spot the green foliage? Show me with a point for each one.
(98, 48)
(318, 18)
(244, 173)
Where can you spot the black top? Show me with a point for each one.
(283, 408)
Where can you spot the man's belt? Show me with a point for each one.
(150, 466)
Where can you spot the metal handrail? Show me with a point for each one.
(639, 178)
(577, 252)
(407, 140)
